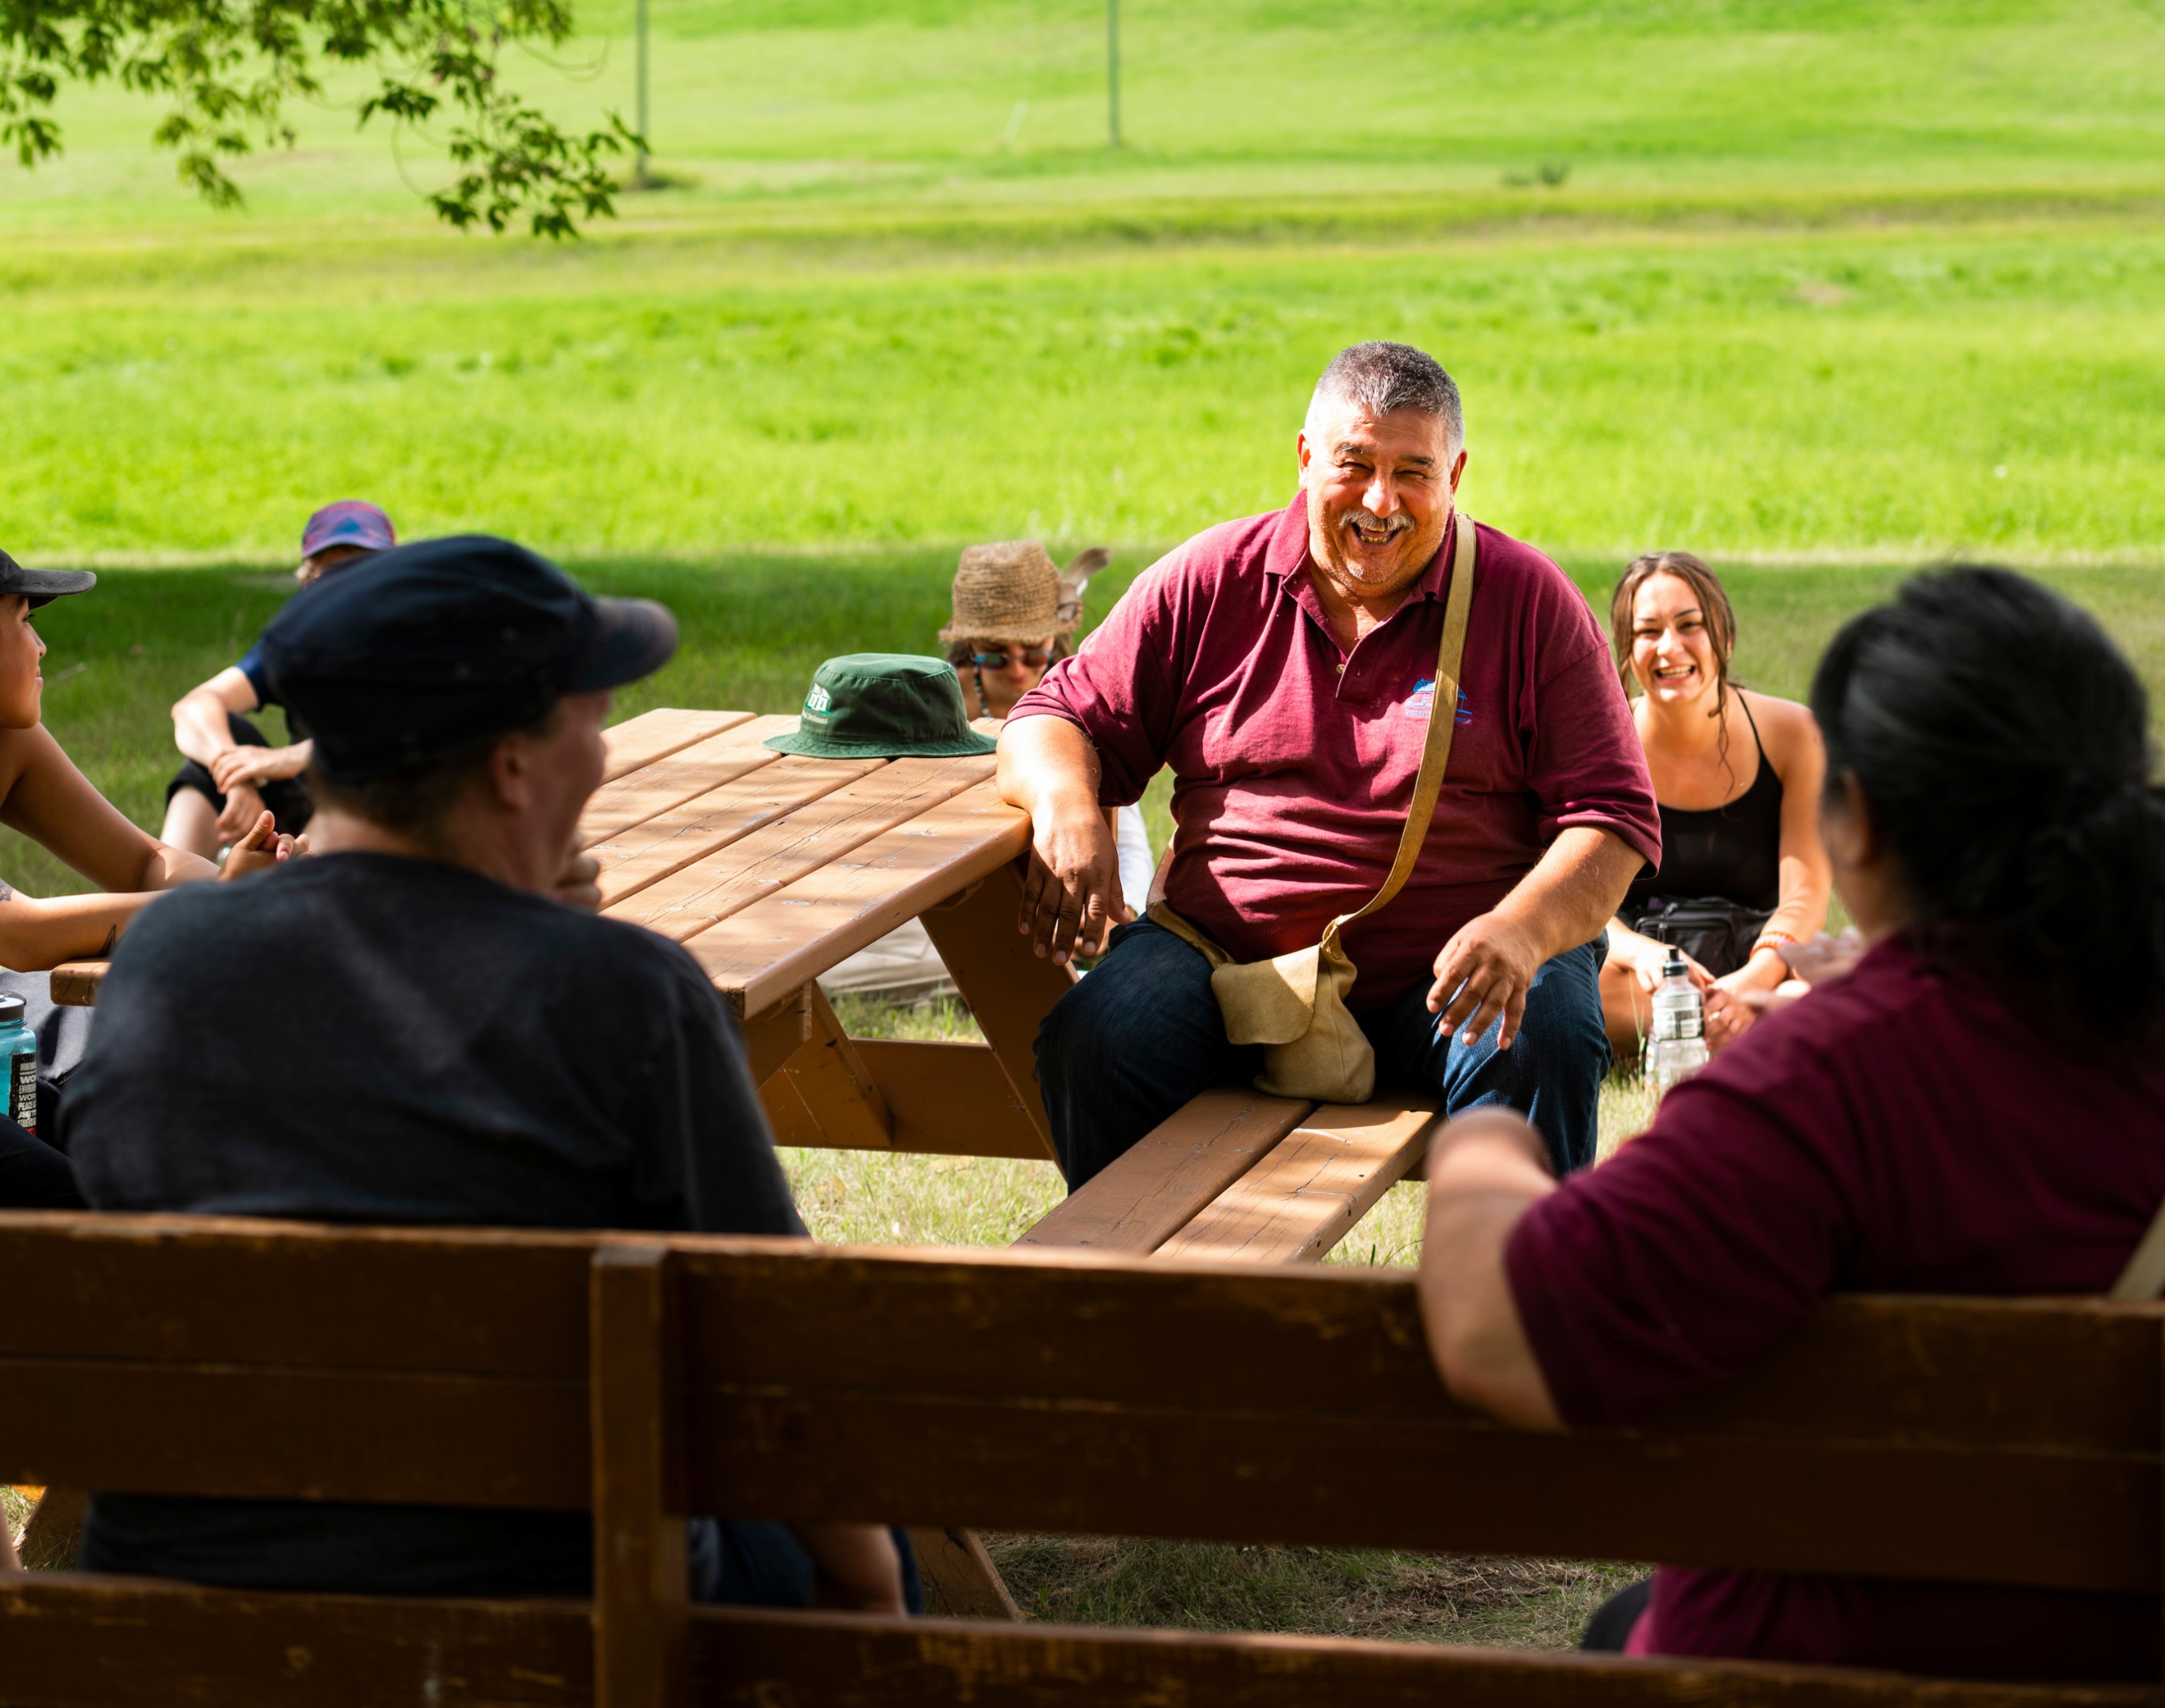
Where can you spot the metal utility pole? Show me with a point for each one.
(1112, 69)
(639, 165)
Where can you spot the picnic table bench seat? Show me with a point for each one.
(637, 1377)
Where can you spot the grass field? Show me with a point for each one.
(1820, 280)
(1820, 289)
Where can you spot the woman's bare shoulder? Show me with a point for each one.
(1787, 729)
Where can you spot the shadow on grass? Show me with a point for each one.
(1351, 1592)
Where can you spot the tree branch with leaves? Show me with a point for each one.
(230, 70)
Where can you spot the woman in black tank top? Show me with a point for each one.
(1743, 871)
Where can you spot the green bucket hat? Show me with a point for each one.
(884, 705)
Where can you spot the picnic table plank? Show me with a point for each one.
(650, 736)
(777, 946)
(674, 778)
(801, 842)
(665, 844)
(1170, 1174)
(75, 984)
(1306, 1196)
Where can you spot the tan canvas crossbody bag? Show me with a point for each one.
(1294, 1005)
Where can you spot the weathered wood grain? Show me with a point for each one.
(1172, 1175)
(121, 1643)
(1010, 988)
(640, 1593)
(1313, 1187)
(651, 735)
(770, 788)
(676, 777)
(777, 944)
(778, 853)
(752, 1660)
(952, 1100)
(75, 983)
(961, 1581)
(834, 1086)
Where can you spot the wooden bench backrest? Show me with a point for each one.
(2009, 1441)
(2006, 1441)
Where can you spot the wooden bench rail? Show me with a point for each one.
(73, 1643)
(2009, 1441)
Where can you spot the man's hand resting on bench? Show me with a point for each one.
(859, 1567)
(1071, 899)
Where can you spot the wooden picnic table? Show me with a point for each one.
(772, 868)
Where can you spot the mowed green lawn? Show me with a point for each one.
(1829, 280)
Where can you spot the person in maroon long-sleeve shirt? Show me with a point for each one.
(1978, 1107)
(1284, 667)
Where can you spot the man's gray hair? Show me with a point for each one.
(1379, 376)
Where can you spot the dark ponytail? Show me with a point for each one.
(2003, 743)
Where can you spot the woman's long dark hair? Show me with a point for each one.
(2003, 743)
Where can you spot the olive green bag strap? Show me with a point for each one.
(1442, 719)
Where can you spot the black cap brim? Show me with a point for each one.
(41, 586)
(635, 639)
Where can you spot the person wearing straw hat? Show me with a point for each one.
(1325, 682)
(1013, 616)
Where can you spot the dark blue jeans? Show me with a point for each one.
(1141, 1034)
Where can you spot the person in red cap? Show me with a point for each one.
(233, 774)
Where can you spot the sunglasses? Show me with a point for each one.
(1036, 657)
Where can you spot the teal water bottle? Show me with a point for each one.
(19, 1045)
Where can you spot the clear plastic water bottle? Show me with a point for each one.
(19, 1050)
(1678, 1048)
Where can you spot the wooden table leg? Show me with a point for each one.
(961, 1581)
(1009, 989)
(52, 1536)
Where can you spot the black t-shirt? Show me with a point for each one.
(364, 1038)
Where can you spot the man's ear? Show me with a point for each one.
(510, 773)
(1302, 453)
(1457, 471)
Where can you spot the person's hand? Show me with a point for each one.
(1728, 1015)
(259, 849)
(243, 806)
(1820, 958)
(1070, 895)
(1646, 957)
(251, 766)
(1485, 970)
(579, 884)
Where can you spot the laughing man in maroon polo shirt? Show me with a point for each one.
(1284, 667)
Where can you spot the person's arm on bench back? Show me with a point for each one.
(1485, 1169)
(860, 1569)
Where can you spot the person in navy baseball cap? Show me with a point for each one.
(233, 772)
(445, 644)
(411, 1025)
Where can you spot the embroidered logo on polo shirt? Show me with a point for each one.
(1422, 701)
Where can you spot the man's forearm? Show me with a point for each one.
(200, 728)
(1574, 889)
(1047, 767)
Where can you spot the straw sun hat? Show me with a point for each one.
(1012, 591)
